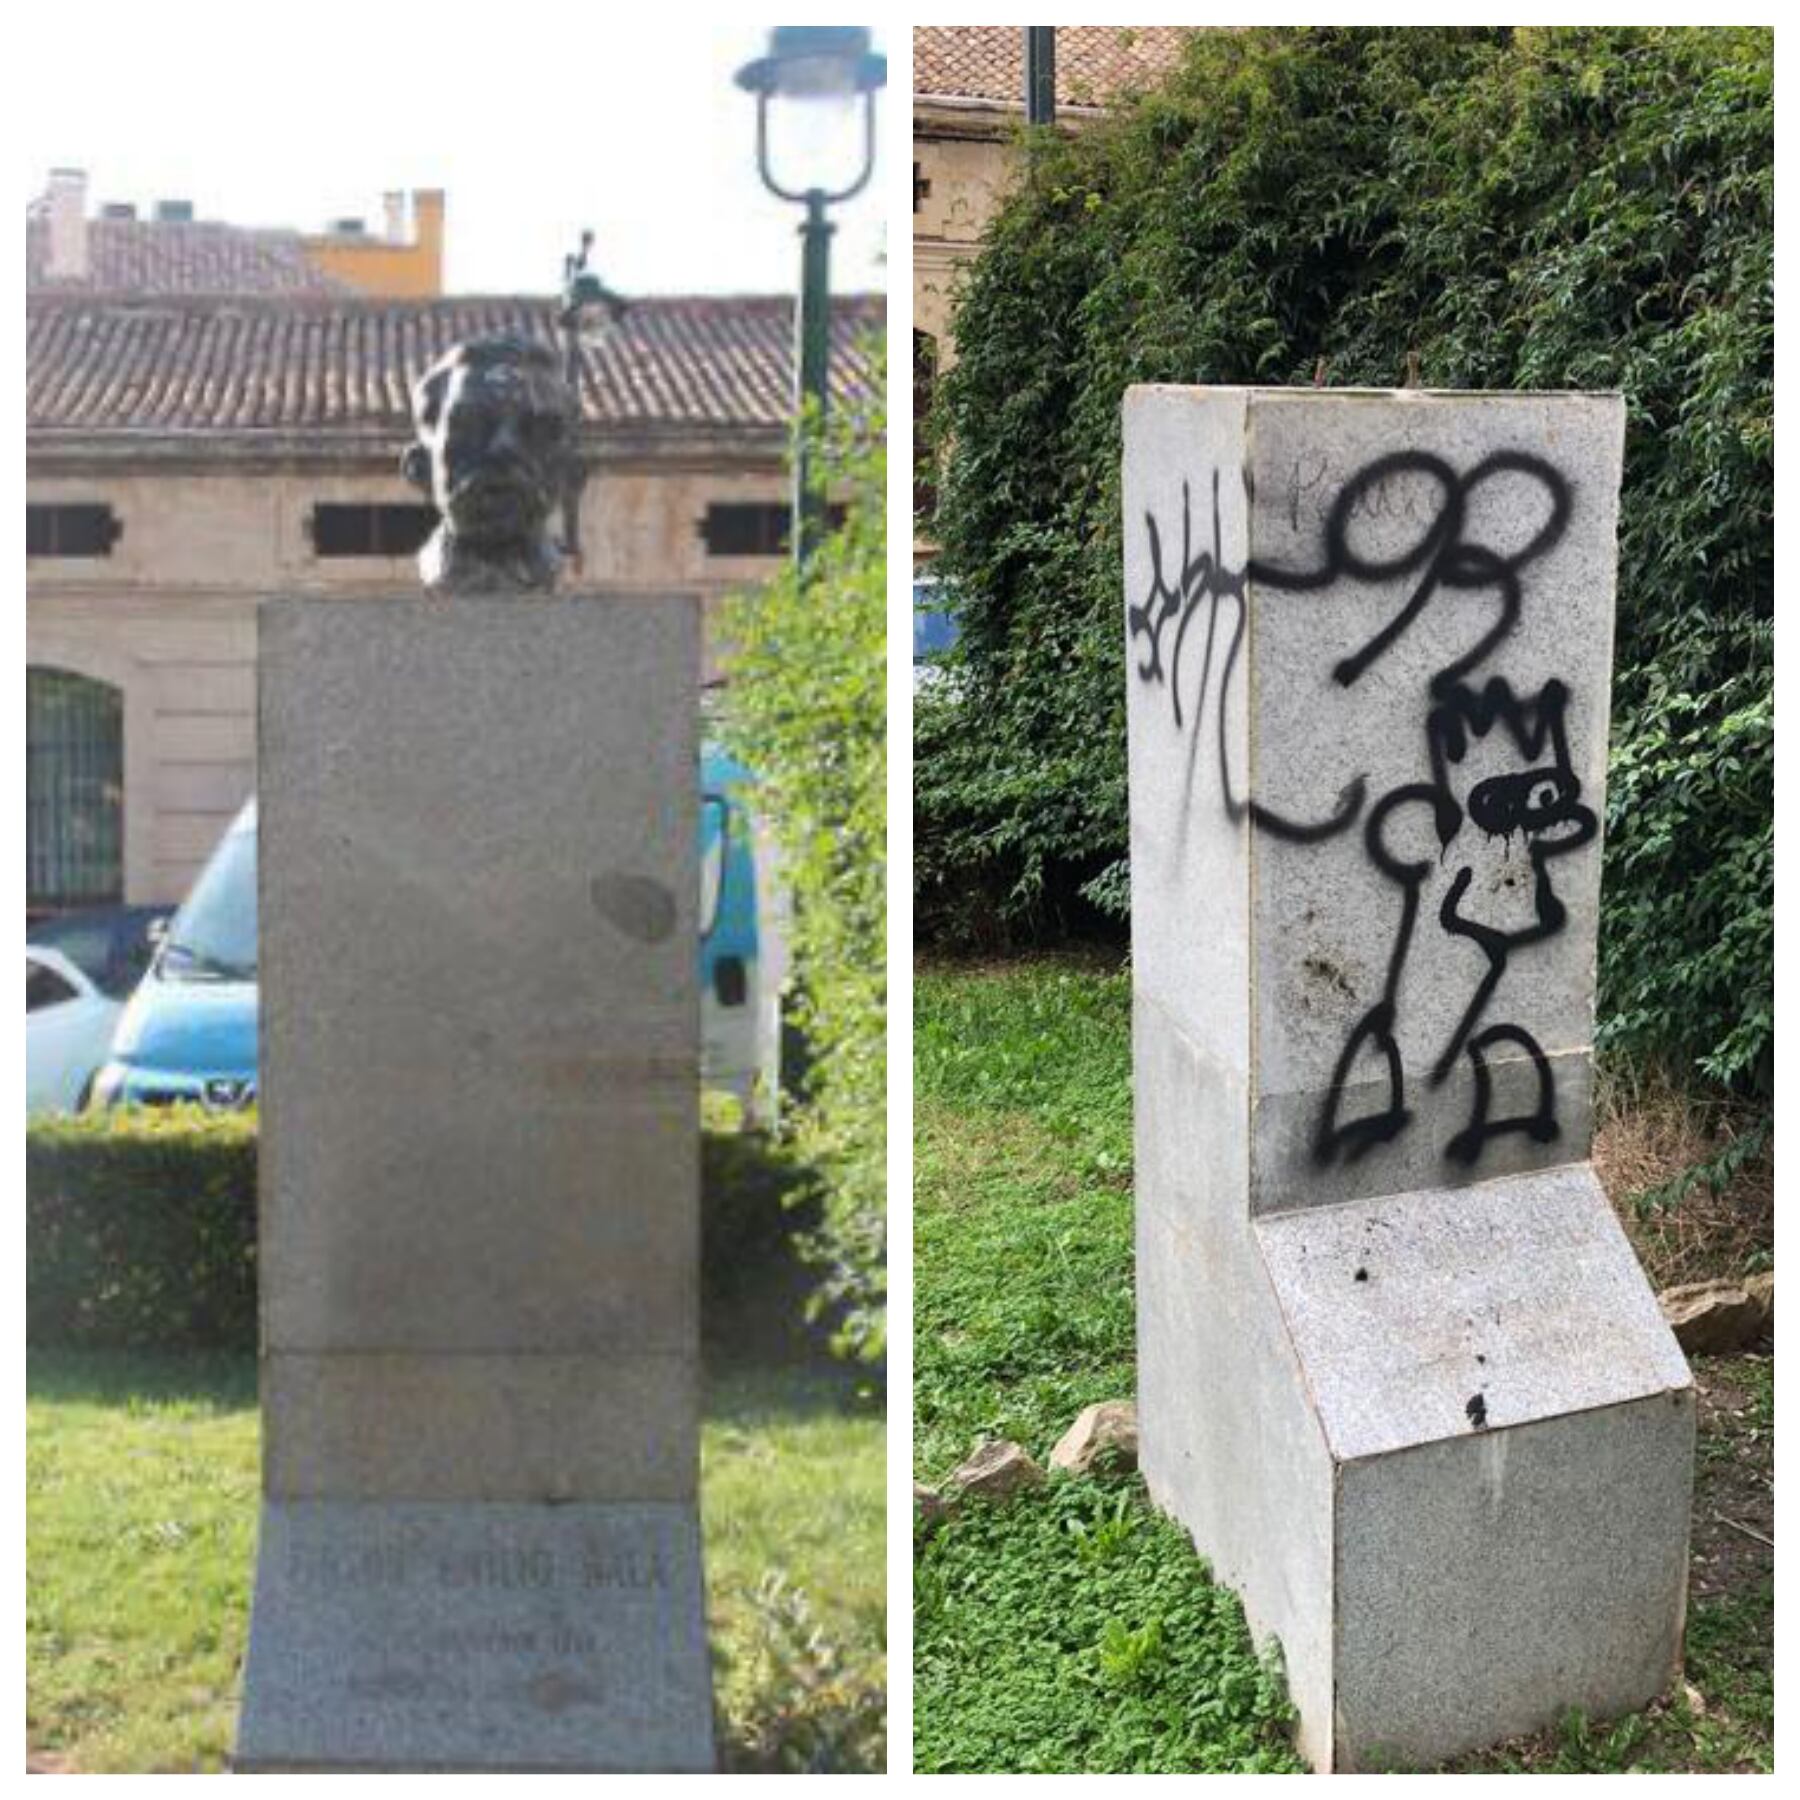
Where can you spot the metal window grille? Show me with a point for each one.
(74, 790)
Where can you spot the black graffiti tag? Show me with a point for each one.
(1203, 582)
(1537, 796)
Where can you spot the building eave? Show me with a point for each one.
(954, 118)
(124, 450)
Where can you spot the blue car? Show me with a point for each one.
(742, 954)
(189, 1033)
(190, 1030)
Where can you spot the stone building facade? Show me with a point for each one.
(188, 456)
(968, 104)
(968, 108)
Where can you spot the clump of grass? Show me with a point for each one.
(816, 1705)
(1074, 1630)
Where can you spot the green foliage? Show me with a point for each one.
(1034, 1655)
(141, 1225)
(1022, 1237)
(808, 712)
(755, 1199)
(818, 1706)
(1530, 208)
(1715, 1172)
(141, 1229)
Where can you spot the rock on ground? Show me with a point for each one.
(1104, 1433)
(929, 1508)
(996, 1470)
(1712, 1318)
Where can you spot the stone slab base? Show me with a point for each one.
(444, 1636)
(1440, 1443)
(1488, 1583)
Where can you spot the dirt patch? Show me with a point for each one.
(1734, 1478)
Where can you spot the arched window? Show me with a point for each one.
(74, 790)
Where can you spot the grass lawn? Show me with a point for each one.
(142, 1483)
(1074, 1629)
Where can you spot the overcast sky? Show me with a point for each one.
(536, 118)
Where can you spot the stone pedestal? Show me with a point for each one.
(480, 1228)
(1399, 1372)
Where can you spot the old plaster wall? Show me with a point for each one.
(966, 174)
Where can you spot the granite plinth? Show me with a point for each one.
(1397, 1363)
(479, 1188)
(446, 1636)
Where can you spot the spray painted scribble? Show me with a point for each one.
(1469, 725)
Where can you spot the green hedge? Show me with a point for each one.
(807, 710)
(141, 1226)
(141, 1230)
(1495, 208)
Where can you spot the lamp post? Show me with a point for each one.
(588, 308)
(820, 73)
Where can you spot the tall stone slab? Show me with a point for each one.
(480, 1229)
(1399, 1372)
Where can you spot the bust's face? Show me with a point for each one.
(500, 452)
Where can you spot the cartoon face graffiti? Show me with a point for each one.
(1472, 843)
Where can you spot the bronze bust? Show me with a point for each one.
(496, 451)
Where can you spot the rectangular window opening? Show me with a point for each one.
(365, 530)
(81, 529)
(754, 528)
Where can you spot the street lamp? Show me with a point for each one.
(589, 308)
(821, 74)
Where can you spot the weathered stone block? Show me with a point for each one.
(445, 1636)
(1713, 1318)
(1488, 1582)
(996, 1471)
(480, 1188)
(1369, 644)
(1105, 1434)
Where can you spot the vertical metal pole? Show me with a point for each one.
(572, 484)
(812, 360)
(1040, 74)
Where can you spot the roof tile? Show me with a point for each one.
(250, 364)
(1093, 62)
(168, 256)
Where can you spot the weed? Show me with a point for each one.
(1106, 1537)
(815, 1705)
(1034, 1653)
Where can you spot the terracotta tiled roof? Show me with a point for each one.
(167, 256)
(987, 62)
(212, 365)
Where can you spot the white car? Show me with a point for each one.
(68, 1031)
